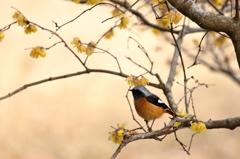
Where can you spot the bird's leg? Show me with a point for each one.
(149, 128)
(152, 123)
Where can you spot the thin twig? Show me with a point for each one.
(182, 144)
(199, 50)
(190, 144)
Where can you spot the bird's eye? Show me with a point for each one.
(159, 101)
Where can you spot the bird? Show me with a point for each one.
(148, 105)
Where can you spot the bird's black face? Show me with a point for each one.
(137, 94)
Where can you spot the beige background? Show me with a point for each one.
(71, 118)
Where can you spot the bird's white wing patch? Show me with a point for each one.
(159, 101)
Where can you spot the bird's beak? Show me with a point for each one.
(129, 89)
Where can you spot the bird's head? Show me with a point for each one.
(139, 92)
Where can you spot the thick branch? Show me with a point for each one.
(229, 123)
(210, 21)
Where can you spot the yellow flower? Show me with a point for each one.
(81, 48)
(17, 16)
(219, 41)
(1, 36)
(176, 19)
(76, 1)
(156, 31)
(182, 114)
(90, 48)
(118, 135)
(23, 22)
(198, 126)
(164, 22)
(109, 34)
(30, 29)
(129, 80)
(170, 15)
(144, 81)
(176, 124)
(93, 2)
(38, 51)
(76, 41)
(124, 23)
(217, 2)
(116, 12)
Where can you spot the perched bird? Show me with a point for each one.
(148, 105)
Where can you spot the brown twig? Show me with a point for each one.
(199, 50)
(182, 144)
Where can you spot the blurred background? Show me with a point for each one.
(71, 118)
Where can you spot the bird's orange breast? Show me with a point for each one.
(147, 110)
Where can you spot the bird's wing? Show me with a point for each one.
(155, 100)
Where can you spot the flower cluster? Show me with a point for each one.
(38, 51)
(198, 126)
(90, 48)
(124, 22)
(117, 13)
(109, 34)
(81, 48)
(131, 80)
(174, 16)
(117, 136)
(181, 114)
(23, 22)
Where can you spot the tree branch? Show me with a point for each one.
(210, 21)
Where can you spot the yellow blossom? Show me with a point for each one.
(76, 41)
(136, 82)
(198, 126)
(219, 41)
(117, 13)
(115, 138)
(176, 124)
(177, 17)
(118, 135)
(124, 23)
(129, 80)
(162, 6)
(23, 22)
(109, 34)
(81, 48)
(144, 81)
(93, 2)
(17, 16)
(217, 2)
(1, 35)
(170, 15)
(30, 29)
(156, 31)
(90, 48)
(164, 22)
(182, 114)
(76, 1)
(38, 51)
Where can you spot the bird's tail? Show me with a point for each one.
(171, 112)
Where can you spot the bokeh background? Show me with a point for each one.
(71, 118)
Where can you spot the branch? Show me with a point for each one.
(210, 21)
(229, 123)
